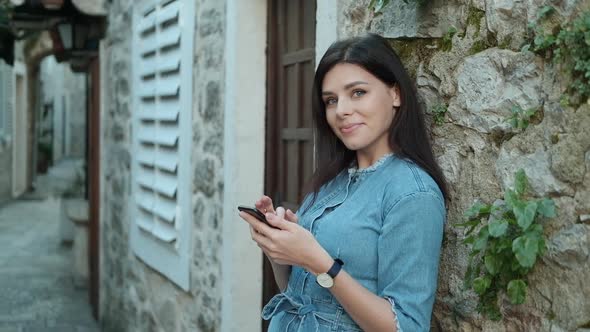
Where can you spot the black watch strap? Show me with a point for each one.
(336, 267)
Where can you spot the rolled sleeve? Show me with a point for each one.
(409, 252)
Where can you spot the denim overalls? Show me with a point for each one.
(386, 223)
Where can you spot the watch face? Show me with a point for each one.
(325, 280)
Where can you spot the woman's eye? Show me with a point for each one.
(330, 101)
(358, 93)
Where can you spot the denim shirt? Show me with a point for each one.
(386, 223)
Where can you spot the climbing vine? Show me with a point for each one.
(438, 113)
(520, 117)
(446, 44)
(568, 45)
(506, 245)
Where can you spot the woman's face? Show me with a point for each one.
(359, 108)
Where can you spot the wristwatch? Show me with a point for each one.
(326, 280)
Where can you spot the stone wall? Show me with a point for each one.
(133, 296)
(479, 79)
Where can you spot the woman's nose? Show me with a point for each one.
(343, 107)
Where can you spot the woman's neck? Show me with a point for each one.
(365, 159)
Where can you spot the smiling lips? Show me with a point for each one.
(347, 129)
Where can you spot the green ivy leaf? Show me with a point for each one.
(492, 264)
(372, 4)
(480, 284)
(505, 243)
(517, 291)
(546, 208)
(482, 239)
(520, 182)
(477, 209)
(530, 112)
(510, 198)
(469, 240)
(378, 5)
(525, 213)
(539, 40)
(525, 249)
(545, 11)
(498, 228)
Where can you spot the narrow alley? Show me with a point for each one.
(36, 288)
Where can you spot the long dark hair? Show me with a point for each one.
(407, 134)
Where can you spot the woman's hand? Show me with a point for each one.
(264, 205)
(289, 244)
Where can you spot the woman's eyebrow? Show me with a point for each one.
(346, 87)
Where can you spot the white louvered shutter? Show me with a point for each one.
(162, 75)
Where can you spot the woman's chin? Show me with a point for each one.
(353, 146)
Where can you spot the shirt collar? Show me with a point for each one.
(354, 167)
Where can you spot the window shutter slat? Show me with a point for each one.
(146, 203)
(167, 135)
(147, 7)
(148, 66)
(167, 159)
(168, 13)
(148, 44)
(170, 61)
(144, 221)
(169, 37)
(146, 155)
(147, 88)
(164, 232)
(166, 209)
(168, 86)
(162, 115)
(146, 109)
(145, 177)
(165, 185)
(147, 135)
(148, 23)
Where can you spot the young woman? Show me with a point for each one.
(363, 252)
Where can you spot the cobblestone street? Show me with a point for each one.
(36, 289)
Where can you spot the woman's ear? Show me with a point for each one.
(395, 93)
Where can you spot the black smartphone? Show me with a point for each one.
(255, 213)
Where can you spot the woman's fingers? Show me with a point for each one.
(290, 216)
(264, 205)
(278, 220)
(263, 242)
(256, 224)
